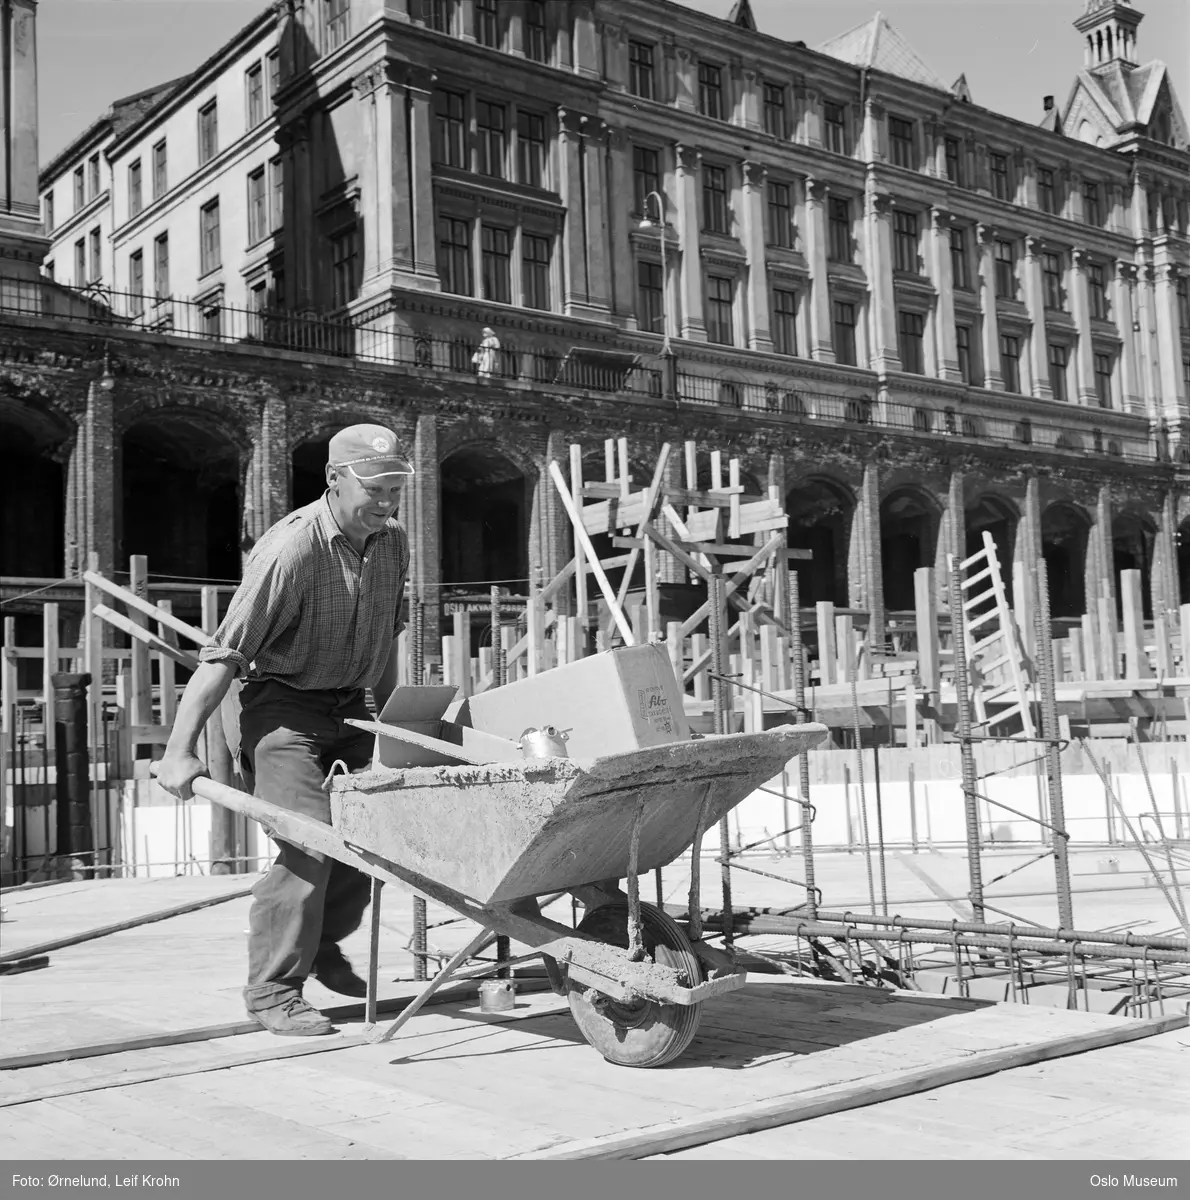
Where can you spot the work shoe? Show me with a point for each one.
(333, 971)
(293, 1017)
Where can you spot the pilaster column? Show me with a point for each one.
(814, 224)
(365, 86)
(574, 234)
(18, 143)
(809, 102)
(597, 240)
(1035, 303)
(1125, 282)
(1025, 168)
(623, 266)
(466, 20)
(1169, 341)
(298, 230)
(586, 43)
(757, 295)
(1084, 363)
(748, 82)
(615, 56)
(947, 366)
(985, 237)
(873, 133)
(419, 93)
(884, 355)
(1149, 358)
(685, 81)
(516, 26)
(423, 525)
(1072, 182)
(689, 160)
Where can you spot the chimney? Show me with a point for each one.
(1048, 103)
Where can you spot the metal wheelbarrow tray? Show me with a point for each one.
(487, 840)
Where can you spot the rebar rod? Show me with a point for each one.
(497, 658)
(1053, 765)
(963, 731)
(793, 622)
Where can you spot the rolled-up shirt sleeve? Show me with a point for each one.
(267, 602)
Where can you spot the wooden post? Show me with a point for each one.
(461, 648)
(769, 651)
(910, 716)
(638, 618)
(49, 668)
(535, 631)
(845, 648)
(827, 653)
(1109, 664)
(449, 660)
(8, 685)
(673, 643)
(580, 557)
(1092, 658)
(1135, 659)
(92, 635)
(1184, 625)
(1161, 641)
(925, 597)
(1074, 644)
(1022, 605)
(699, 644)
(141, 707)
(652, 592)
(223, 849)
(166, 668)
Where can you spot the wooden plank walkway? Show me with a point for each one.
(462, 1084)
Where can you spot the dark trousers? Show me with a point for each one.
(307, 901)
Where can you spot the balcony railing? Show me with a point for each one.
(368, 341)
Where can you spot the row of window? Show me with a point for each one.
(491, 28)
(497, 255)
(488, 153)
(261, 81)
(837, 135)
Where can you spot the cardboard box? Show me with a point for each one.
(419, 709)
(620, 700)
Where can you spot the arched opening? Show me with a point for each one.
(991, 514)
(820, 520)
(32, 499)
(484, 521)
(309, 471)
(1132, 537)
(909, 522)
(1064, 530)
(182, 500)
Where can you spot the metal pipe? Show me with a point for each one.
(963, 732)
(1053, 761)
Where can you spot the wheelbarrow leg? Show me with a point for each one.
(373, 954)
(377, 1034)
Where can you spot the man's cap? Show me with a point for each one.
(372, 448)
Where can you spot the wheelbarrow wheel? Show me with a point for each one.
(640, 1033)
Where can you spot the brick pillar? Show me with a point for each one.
(93, 466)
(757, 291)
(1031, 534)
(821, 339)
(872, 558)
(955, 539)
(985, 235)
(1164, 585)
(425, 532)
(268, 486)
(552, 522)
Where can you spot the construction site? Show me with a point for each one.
(973, 831)
(789, 756)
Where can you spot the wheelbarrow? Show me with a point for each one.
(488, 841)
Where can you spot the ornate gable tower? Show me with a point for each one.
(23, 244)
(1114, 98)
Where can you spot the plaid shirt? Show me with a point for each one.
(311, 612)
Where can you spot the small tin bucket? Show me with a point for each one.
(546, 742)
(497, 995)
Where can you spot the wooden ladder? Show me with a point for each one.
(996, 658)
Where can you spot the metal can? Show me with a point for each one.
(547, 742)
(497, 995)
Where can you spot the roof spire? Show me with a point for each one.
(1109, 32)
(741, 14)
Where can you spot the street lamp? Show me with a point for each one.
(659, 225)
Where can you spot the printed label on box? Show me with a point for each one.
(654, 709)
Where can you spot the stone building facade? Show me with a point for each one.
(917, 318)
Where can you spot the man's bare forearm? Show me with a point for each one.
(203, 695)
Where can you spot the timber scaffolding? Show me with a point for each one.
(970, 668)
